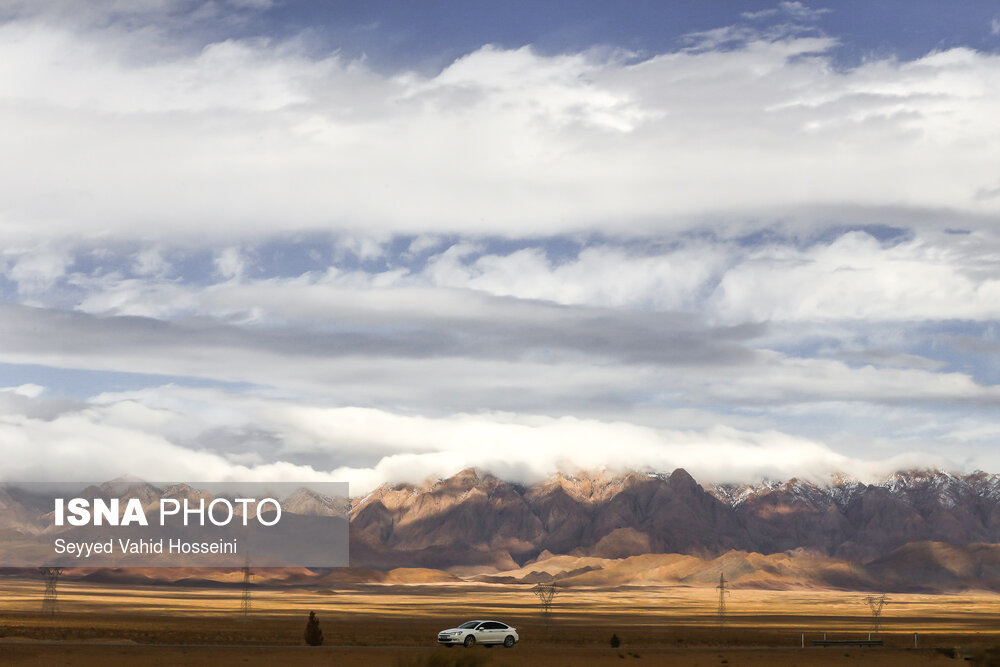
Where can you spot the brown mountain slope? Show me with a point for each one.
(474, 523)
(476, 520)
(935, 566)
(917, 567)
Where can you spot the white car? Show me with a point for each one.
(487, 633)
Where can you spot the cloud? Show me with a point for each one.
(792, 379)
(85, 447)
(597, 276)
(488, 354)
(720, 257)
(539, 357)
(761, 14)
(853, 276)
(28, 390)
(151, 16)
(175, 433)
(793, 10)
(602, 328)
(883, 357)
(37, 269)
(988, 192)
(230, 264)
(149, 261)
(857, 278)
(845, 276)
(248, 137)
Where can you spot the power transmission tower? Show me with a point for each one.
(245, 601)
(723, 589)
(51, 598)
(876, 603)
(546, 593)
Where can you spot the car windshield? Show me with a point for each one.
(470, 624)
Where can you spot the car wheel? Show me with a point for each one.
(469, 641)
(508, 642)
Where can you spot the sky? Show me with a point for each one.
(386, 241)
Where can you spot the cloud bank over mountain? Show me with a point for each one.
(231, 251)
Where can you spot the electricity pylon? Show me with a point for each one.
(245, 601)
(723, 589)
(51, 598)
(876, 603)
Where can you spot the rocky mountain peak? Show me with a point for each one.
(682, 479)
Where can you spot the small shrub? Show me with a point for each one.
(313, 635)
(615, 642)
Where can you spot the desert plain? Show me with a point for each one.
(391, 624)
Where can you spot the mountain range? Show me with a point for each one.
(475, 521)
(923, 530)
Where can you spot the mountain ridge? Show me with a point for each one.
(476, 523)
(473, 517)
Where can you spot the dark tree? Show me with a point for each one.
(615, 642)
(314, 636)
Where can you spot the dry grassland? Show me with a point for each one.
(395, 626)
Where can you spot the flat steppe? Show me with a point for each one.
(395, 625)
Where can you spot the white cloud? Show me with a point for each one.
(114, 295)
(801, 12)
(125, 139)
(782, 379)
(763, 13)
(362, 247)
(483, 354)
(793, 10)
(247, 136)
(149, 262)
(27, 390)
(36, 270)
(598, 276)
(230, 264)
(857, 278)
(175, 433)
(84, 447)
(851, 277)
(423, 243)
(149, 16)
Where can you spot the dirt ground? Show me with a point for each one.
(215, 656)
(395, 626)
